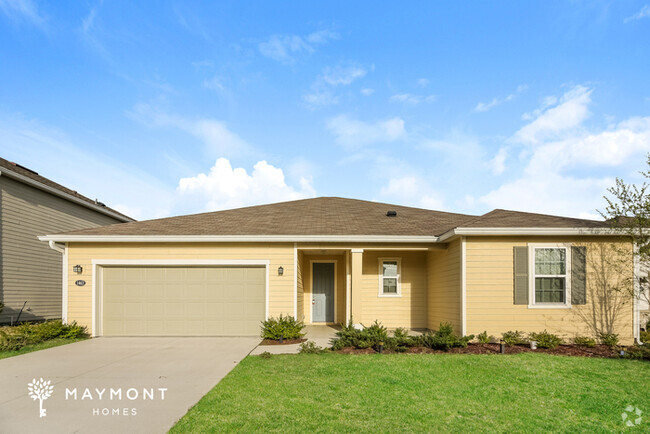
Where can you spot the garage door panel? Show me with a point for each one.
(183, 301)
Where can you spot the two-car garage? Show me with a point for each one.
(156, 300)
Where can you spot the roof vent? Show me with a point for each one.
(391, 214)
(24, 168)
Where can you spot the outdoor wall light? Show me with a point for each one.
(77, 269)
(280, 271)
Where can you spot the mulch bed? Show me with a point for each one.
(562, 350)
(284, 342)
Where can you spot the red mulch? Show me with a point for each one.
(562, 350)
(284, 342)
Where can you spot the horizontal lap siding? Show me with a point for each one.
(444, 270)
(29, 270)
(409, 310)
(300, 288)
(490, 290)
(280, 287)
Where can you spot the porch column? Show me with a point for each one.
(357, 281)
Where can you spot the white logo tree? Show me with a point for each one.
(40, 390)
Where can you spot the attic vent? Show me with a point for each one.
(24, 168)
(391, 214)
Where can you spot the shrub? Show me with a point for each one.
(286, 326)
(14, 338)
(483, 338)
(584, 341)
(367, 337)
(513, 337)
(444, 338)
(638, 352)
(609, 339)
(310, 347)
(401, 340)
(645, 337)
(266, 355)
(545, 339)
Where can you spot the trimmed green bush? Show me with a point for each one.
(513, 338)
(584, 341)
(310, 347)
(545, 339)
(286, 327)
(638, 352)
(444, 338)
(483, 338)
(609, 339)
(367, 337)
(14, 338)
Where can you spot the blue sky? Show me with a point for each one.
(166, 108)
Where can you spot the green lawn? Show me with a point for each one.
(334, 392)
(40, 346)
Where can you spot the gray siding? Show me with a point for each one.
(29, 270)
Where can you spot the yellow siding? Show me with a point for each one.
(490, 290)
(339, 308)
(409, 310)
(80, 297)
(444, 273)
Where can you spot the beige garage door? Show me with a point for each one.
(183, 301)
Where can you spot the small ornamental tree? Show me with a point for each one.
(628, 211)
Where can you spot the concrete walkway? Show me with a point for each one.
(159, 379)
(321, 335)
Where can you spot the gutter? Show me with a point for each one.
(64, 279)
(527, 231)
(238, 238)
(54, 246)
(69, 197)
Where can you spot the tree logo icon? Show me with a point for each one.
(40, 390)
(632, 416)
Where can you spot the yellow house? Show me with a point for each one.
(335, 260)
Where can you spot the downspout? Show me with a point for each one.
(64, 279)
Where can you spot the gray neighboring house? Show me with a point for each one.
(30, 271)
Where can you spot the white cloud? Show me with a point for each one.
(22, 10)
(342, 75)
(215, 135)
(567, 115)
(367, 91)
(224, 187)
(214, 84)
(548, 182)
(355, 133)
(498, 163)
(410, 99)
(643, 13)
(485, 106)
(423, 82)
(411, 190)
(285, 48)
(321, 92)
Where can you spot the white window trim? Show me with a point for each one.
(381, 277)
(531, 277)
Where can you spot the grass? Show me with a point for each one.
(40, 346)
(458, 393)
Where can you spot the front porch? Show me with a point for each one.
(411, 286)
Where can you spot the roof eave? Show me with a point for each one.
(63, 195)
(237, 238)
(453, 233)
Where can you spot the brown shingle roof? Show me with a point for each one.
(319, 216)
(34, 176)
(333, 216)
(501, 218)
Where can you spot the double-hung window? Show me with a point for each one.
(550, 276)
(389, 278)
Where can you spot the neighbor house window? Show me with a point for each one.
(389, 277)
(550, 275)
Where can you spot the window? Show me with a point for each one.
(389, 278)
(550, 275)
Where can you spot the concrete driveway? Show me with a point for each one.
(159, 380)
